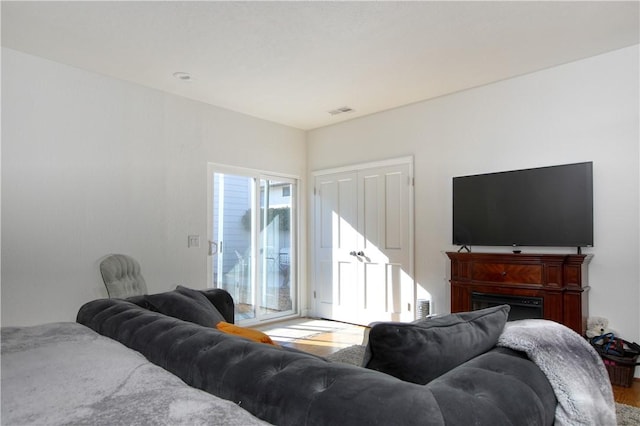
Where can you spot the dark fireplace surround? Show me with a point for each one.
(548, 286)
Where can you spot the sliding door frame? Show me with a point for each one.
(294, 254)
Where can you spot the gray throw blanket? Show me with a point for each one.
(574, 369)
(67, 374)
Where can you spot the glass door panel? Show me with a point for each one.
(231, 246)
(275, 247)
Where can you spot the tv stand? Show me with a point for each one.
(560, 280)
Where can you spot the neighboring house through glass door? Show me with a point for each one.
(252, 218)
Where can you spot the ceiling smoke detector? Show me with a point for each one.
(341, 110)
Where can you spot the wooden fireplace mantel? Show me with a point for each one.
(559, 279)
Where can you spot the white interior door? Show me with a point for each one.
(385, 279)
(363, 244)
(337, 242)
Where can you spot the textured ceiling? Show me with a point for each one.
(292, 62)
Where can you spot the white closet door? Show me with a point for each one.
(336, 241)
(385, 283)
(363, 255)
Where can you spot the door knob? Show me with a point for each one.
(360, 253)
(352, 253)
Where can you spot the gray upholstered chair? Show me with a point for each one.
(122, 277)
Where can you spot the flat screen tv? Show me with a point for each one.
(543, 207)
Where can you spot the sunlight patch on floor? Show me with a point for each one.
(301, 328)
(316, 336)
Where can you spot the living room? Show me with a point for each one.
(93, 165)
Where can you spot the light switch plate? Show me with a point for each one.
(193, 241)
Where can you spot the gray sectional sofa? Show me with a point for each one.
(495, 386)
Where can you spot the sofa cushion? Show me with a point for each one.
(419, 352)
(186, 304)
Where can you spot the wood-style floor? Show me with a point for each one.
(322, 338)
(319, 337)
(629, 396)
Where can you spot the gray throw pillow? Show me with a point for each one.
(419, 352)
(186, 304)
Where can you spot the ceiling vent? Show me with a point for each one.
(341, 110)
(184, 76)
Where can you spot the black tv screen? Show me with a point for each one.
(546, 206)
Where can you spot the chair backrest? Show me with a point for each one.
(122, 277)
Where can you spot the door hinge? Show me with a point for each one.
(314, 294)
(409, 307)
(412, 181)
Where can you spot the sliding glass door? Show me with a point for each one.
(251, 247)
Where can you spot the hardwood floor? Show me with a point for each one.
(629, 396)
(321, 337)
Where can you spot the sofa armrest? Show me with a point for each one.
(218, 297)
(223, 302)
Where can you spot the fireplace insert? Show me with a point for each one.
(521, 307)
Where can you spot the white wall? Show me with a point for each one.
(92, 165)
(582, 111)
